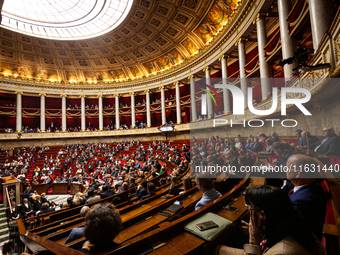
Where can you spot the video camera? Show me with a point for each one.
(301, 55)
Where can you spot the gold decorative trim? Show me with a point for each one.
(259, 16)
(192, 77)
(161, 87)
(99, 95)
(82, 130)
(207, 68)
(224, 56)
(101, 129)
(42, 131)
(147, 90)
(63, 95)
(19, 92)
(81, 96)
(132, 93)
(241, 40)
(42, 95)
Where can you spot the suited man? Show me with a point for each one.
(78, 232)
(329, 144)
(307, 196)
(26, 208)
(151, 188)
(16, 212)
(269, 148)
(52, 126)
(147, 168)
(256, 146)
(142, 189)
(37, 203)
(45, 208)
(106, 192)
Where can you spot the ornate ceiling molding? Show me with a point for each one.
(222, 42)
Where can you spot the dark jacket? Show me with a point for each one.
(310, 204)
(329, 147)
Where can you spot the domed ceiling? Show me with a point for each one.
(156, 36)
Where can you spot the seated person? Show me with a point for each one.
(102, 225)
(26, 209)
(106, 192)
(272, 213)
(329, 144)
(78, 232)
(142, 189)
(92, 196)
(281, 151)
(269, 148)
(256, 146)
(173, 186)
(205, 184)
(151, 188)
(307, 196)
(45, 208)
(303, 140)
(15, 214)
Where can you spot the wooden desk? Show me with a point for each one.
(40, 188)
(76, 187)
(59, 188)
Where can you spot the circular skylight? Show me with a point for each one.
(64, 19)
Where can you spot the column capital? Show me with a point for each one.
(259, 16)
(191, 76)
(176, 83)
(240, 40)
(223, 57)
(19, 92)
(207, 68)
(147, 90)
(99, 95)
(116, 95)
(132, 93)
(161, 87)
(42, 94)
(63, 95)
(81, 96)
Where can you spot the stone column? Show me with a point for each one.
(178, 104)
(320, 12)
(163, 105)
(63, 113)
(42, 113)
(117, 111)
(193, 98)
(100, 107)
(261, 43)
(19, 111)
(148, 110)
(241, 43)
(83, 118)
(133, 113)
(226, 92)
(210, 106)
(288, 43)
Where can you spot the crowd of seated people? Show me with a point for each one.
(300, 202)
(97, 166)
